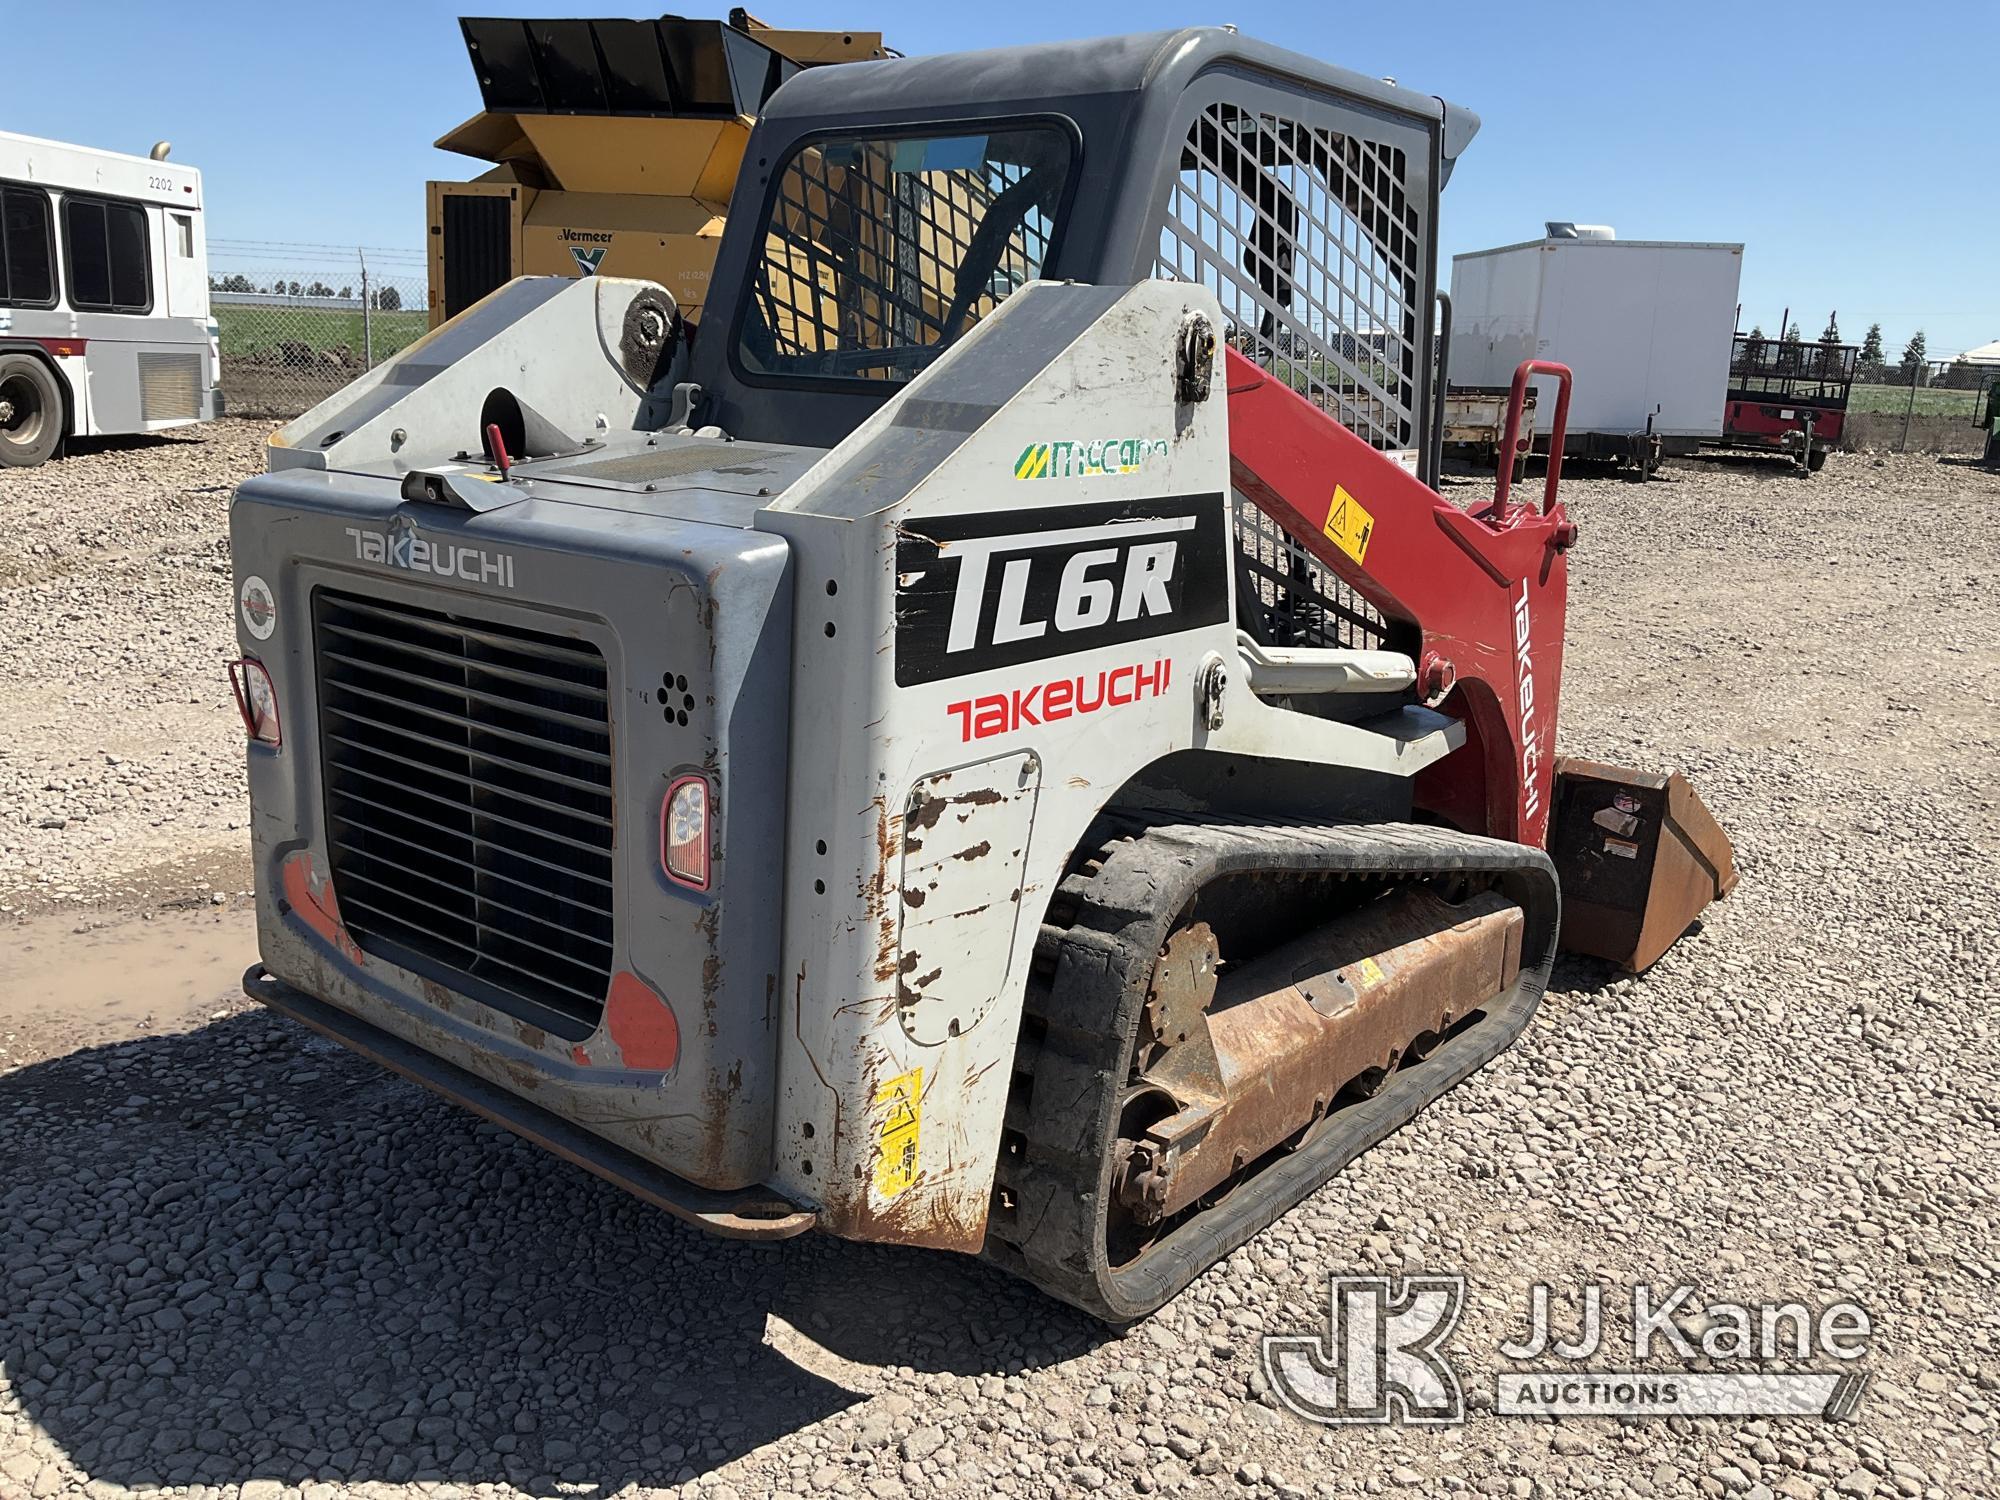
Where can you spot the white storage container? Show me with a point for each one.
(1644, 325)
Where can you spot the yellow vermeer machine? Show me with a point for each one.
(615, 146)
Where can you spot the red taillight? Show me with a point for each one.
(256, 700)
(684, 832)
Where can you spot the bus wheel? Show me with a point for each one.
(31, 411)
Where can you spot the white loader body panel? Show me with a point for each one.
(955, 728)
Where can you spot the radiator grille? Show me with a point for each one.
(169, 386)
(478, 247)
(468, 802)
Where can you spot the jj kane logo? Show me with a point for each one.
(1384, 1356)
(1001, 588)
(401, 547)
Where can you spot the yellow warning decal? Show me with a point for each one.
(1349, 525)
(899, 1110)
(1370, 972)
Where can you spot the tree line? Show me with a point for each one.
(386, 298)
(1871, 366)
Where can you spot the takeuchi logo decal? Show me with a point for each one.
(402, 547)
(1083, 460)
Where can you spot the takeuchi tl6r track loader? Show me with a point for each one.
(999, 745)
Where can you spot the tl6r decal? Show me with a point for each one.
(1047, 702)
(1001, 588)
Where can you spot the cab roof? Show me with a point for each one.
(1000, 79)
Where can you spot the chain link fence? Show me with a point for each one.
(1938, 406)
(298, 322)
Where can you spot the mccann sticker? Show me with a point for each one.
(1349, 525)
(899, 1106)
(1073, 460)
(260, 608)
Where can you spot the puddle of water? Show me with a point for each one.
(168, 965)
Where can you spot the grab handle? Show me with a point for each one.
(1516, 399)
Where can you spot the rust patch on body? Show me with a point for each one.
(711, 966)
(524, 1078)
(978, 851)
(876, 889)
(930, 811)
(929, 1220)
(716, 1096)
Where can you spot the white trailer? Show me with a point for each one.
(1645, 326)
(104, 315)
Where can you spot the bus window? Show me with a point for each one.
(27, 248)
(107, 255)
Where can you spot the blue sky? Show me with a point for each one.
(1850, 146)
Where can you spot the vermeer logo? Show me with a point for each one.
(587, 261)
(1082, 460)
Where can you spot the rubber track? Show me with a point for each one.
(1095, 960)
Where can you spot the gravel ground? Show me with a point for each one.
(237, 1262)
(119, 778)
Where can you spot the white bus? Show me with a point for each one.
(104, 317)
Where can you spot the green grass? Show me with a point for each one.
(1894, 400)
(249, 331)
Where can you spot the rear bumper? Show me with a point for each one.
(743, 1214)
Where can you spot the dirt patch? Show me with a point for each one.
(66, 984)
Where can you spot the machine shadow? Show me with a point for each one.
(240, 1253)
(130, 442)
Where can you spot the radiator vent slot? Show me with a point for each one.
(169, 386)
(468, 802)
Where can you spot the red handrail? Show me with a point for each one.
(1516, 399)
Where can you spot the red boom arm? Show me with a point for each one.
(1486, 589)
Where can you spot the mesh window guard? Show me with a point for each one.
(879, 253)
(1311, 242)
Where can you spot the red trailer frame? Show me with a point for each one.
(1788, 397)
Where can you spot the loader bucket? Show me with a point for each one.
(1639, 858)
